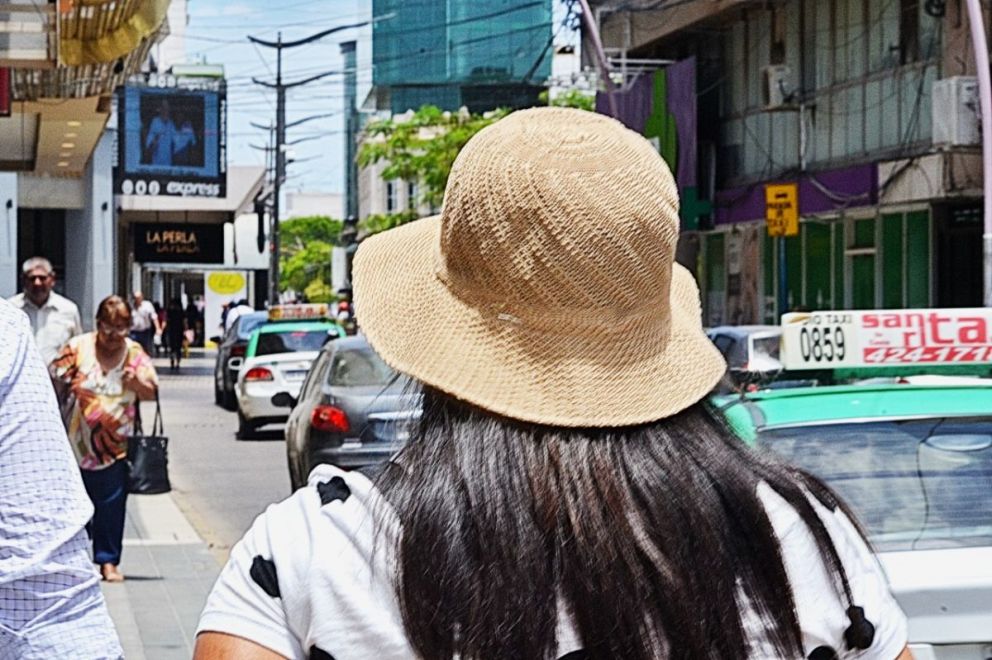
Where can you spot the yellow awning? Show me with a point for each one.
(101, 31)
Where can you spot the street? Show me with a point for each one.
(175, 544)
(218, 482)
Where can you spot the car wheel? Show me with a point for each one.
(218, 395)
(246, 428)
(228, 400)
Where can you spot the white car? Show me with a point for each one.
(278, 358)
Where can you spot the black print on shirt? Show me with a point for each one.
(822, 653)
(263, 572)
(319, 654)
(335, 489)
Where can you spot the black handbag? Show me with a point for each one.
(148, 455)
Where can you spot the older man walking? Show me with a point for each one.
(54, 318)
(144, 323)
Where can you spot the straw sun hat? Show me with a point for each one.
(547, 290)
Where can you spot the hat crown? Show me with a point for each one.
(553, 211)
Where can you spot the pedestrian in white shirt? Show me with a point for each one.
(54, 318)
(144, 323)
(50, 600)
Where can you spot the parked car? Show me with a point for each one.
(915, 464)
(277, 359)
(353, 410)
(230, 354)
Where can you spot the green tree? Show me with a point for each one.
(573, 98)
(305, 245)
(420, 148)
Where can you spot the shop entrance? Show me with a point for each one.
(959, 255)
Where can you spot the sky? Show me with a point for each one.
(216, 33)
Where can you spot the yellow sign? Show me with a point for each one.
(782, 209)
(226, 283)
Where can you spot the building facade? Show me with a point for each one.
(456, 54)
(868, 106)
(459, 53)
(56, 152)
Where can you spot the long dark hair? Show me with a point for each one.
(647, 536)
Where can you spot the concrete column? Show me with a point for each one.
(9, 268)
(90, 245)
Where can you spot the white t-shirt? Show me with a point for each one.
(144, 316)
(311, 576)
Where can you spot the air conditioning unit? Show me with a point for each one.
(955, 112)
(775, 86)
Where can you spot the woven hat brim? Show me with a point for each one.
(588, 379)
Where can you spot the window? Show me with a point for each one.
(411, 196)
(359, 367)
(916, 484)
(296, 341)
(390, 197)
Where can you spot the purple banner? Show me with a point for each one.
(819, 192)
(662, 105)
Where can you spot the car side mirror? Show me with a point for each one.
(283, 400)
(215, 339)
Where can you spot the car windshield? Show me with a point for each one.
(248, 324)
(766, 345)
(915, 484)
(358, 367)
(292, 341)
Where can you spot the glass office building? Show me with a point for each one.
(454, 53)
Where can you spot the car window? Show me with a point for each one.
(723, 344)
(247, 324)
(232, 332)
(314, 376)
(766, 346)
(915, 484)
(358, 367)
(292, 341)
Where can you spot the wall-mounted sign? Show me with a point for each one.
(156, 242)
(171, 141)
(782, 209)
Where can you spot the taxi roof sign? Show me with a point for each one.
(887, 338)
(304, 312)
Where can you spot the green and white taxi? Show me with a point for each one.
(904, 434)
(277, 359)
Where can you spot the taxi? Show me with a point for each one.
(277, 359)
(899, 423)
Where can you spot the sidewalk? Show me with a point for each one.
(169, 571)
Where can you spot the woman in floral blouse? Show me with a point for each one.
(100, 377)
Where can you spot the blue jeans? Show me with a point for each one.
(146, 338)
(107, 489)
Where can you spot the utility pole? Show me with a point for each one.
(980, 44)
(351, 129)
(280, 146)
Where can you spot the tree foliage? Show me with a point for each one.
(573, 98)
(305, 255)
(419, 148)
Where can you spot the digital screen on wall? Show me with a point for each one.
(171, 141)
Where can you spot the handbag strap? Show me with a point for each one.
(137, 429)
(158, 427)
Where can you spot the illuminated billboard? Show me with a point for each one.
(171, 141)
